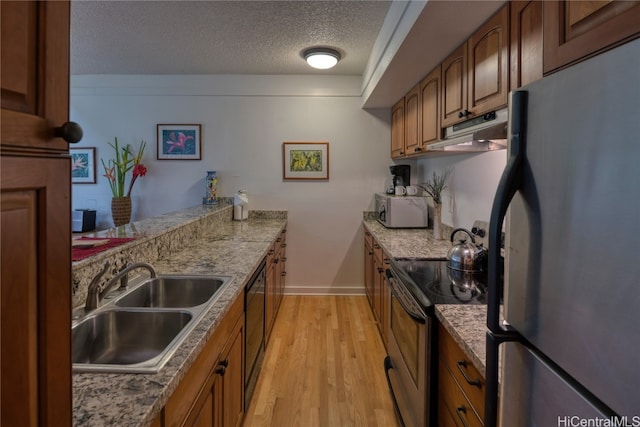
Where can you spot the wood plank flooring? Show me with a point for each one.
(323, 367)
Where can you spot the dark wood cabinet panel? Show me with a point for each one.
(36, 301)
(526, 42)
(397, 130)
(454, 86)
(36, 215)
(430, 108)
(576, 30)
(35, 73)
(412, 121)
(488, 56)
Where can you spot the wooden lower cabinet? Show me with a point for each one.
(212, 392)
(276, 281)
(376, 288)
(368, 266)
(461, 388)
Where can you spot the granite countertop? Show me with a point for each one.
(229, 248)
(465, 323)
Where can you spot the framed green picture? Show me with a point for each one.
(305, 160)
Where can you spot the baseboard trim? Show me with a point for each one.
(325, 290)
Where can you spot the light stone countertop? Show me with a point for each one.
(465, 323)
(226, 248)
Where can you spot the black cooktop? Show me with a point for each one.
(431, 281)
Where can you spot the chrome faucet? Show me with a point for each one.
(96, 292)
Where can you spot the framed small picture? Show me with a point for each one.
(83, 165)
(305, 160)
(179, 142)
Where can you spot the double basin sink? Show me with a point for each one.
(139, 330)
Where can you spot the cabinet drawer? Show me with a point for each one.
(455, 404)
(461, 368)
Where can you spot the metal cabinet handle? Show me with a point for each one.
(222, 367)
(463, 410)
(71, 132)
(465, 113)
(463, 364)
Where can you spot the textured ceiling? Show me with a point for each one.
(220, 37)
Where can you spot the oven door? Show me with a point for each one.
(408, 364)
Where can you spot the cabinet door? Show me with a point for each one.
(35, 73)
(385, 296)
(412, 121)
(488, 56)
(233, 378)
(525, 42)
(368, 268)
(397, 129)
(35, 291)
(454, 87)
(430, 108)
(575, 30)
(269, 295)
(35, 313)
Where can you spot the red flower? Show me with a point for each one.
(139, 170)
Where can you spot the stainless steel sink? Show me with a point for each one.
(126, 337)
(172, 291)
(138, 331)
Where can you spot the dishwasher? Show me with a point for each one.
(254, 325)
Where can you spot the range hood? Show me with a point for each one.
(484, 133)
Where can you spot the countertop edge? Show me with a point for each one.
(152, 391)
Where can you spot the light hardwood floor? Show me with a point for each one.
(323, 367)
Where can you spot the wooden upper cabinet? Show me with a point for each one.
(526, 42)
(488, 56)
(397, 129)
(412, 143)
(430, 108)
(576, 30)
(475, 75)
(35, 73)
(454, 86)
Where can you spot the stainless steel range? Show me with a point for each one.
(417, 284)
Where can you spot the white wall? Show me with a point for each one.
(244, 121)
(471, 187)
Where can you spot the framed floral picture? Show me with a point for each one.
(305, 160)
(179, 142)
(83, 165)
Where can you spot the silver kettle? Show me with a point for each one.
(465, 256)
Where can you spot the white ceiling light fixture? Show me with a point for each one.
(322, 58)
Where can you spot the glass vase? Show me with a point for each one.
(437, 221)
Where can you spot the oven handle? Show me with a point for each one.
(393, 282)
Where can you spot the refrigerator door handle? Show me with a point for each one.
(509, 184)
(507, 187)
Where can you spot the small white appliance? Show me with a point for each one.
(401, 211)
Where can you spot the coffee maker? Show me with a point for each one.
(401, 175)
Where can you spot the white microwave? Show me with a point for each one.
(401, 211)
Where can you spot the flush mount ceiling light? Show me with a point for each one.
(322, 58)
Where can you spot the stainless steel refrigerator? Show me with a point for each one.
(569, 199)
